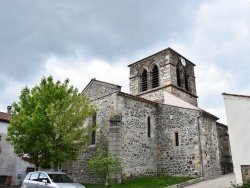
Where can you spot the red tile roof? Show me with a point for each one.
(5, 117)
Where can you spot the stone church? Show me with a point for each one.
(158, 128)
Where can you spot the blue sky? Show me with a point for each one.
(81, 40)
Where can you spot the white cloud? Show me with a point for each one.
(10, 94)
(212, 80)
(81, 71)
(219, 46)
(220, 113)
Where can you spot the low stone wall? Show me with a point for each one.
(245, 170)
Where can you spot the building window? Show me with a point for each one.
(149, 127)
(176, 139)
(155, 77)
(3, 180)
(29, 170)
(178, 76)
(93, 136)
(186, 82)
(144, 80)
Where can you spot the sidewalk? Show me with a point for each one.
(224, 181)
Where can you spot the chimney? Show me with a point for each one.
(8, 109)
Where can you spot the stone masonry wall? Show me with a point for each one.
(105, 108)
(156, 95)
(210, 148)
(224, 148)
(183, 95)
(158, 153)
(183, 159)
(97, 90)
(138, 151)
(115, 141)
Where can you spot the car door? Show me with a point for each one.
(41, 184)
(32, 181)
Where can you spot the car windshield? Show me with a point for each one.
(61, 178)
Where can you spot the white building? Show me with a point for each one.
(13, 169)
(238, 119)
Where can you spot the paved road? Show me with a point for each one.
(221, 182)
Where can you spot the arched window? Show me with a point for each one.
(149, 127)
(93, 136)
(178, 75)
(155, 77)
(186, 82)
(144, 80)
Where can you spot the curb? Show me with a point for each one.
(187, 183)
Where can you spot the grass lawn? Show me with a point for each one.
(147, 182)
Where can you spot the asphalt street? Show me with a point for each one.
(224, 181)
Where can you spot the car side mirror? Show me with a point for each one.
(45, 181)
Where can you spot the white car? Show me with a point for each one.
(40, 179)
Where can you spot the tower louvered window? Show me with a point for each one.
(186, 82)
(178, 75)
(155, 77)
(144, 80)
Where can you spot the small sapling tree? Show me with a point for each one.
(105, 164)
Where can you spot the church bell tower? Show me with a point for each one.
(164, 71)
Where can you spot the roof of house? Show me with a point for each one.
(107, 84)
(236, 95)
(221, 124)
(5, 117)
(178, 102)
(182, 104)
(136, 97)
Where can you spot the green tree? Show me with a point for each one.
(47, 122)
(105, 164)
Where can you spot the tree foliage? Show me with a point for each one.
(105, 164)
(47, 122)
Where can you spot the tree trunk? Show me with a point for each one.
(56, 167)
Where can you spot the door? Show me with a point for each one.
(9, 179)
(41, 184)
(32, 181)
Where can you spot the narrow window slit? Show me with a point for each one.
(176, 139)
(93, 136)
(149, 127)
